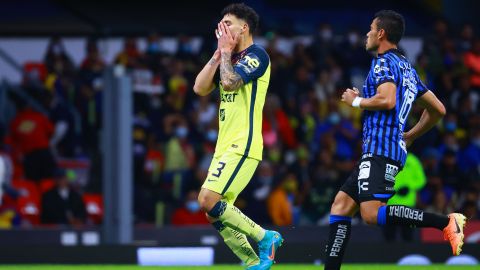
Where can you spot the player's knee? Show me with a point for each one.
(340, 207)
(369, 216)
(205, 202)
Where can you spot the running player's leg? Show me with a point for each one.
(374, 210)
(343, 209)
(235, 240)
(225, 181)
(238, 172)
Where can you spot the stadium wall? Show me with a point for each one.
(152, 246)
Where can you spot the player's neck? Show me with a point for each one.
(383, 47)
(244, 43)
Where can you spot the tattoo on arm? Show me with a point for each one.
(229, 78)
(213, 61)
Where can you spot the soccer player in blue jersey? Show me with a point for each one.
(390, 89)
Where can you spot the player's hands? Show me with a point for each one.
(349, 95)
(227, 41)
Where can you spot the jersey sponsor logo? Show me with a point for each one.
(363, 185)
(249, 63)
(405, 212)
(378, 68)
(364, 172)
(340, 236)
(229, 97)
(410, 83)
(221, 114)
(253, 61)
(389, 189)
(390, 172)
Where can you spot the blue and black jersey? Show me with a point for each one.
(383, 130)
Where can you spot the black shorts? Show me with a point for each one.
(373, 179)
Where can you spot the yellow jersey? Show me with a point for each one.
(240, 112)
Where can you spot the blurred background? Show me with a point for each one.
(103, 143)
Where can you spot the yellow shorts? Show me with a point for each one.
(229, 174)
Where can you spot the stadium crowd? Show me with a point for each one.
(311, 139)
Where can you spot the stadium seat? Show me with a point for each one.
(28, 203)
(45, 185)
(94, 206)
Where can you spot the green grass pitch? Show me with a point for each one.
(233, 267)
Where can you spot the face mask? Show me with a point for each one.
(326, 34)
(212, 135)
(192, 206)
(181, 132)
(265, 180)
(57, 49)
(334, 118)
(153, 47)
(450, 126)
(156, 102)
(353, 38)
(476, 142)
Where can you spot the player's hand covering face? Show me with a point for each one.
(228, 33)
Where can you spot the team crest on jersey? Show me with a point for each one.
(390, 172)
(221, 114)
(364, 172)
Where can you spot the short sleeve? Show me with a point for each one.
(421, 87)
(252, 65)
(383, 71)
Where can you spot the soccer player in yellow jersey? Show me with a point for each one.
(244, 77)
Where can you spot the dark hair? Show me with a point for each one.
(393, 24)
(244, 12)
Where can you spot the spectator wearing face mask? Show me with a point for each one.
(189, 213)
(179, 156)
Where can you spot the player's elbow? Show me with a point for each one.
(199, 90)
(438, 111)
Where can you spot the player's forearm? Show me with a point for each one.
(428, 120)
(204, 81)
(377, 103)
(229, 78)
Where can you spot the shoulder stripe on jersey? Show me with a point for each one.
(250, 135)
(251, 114)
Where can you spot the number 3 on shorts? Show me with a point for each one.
(219, 169)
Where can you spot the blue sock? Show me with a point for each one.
(335, 218)
(382, 216)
